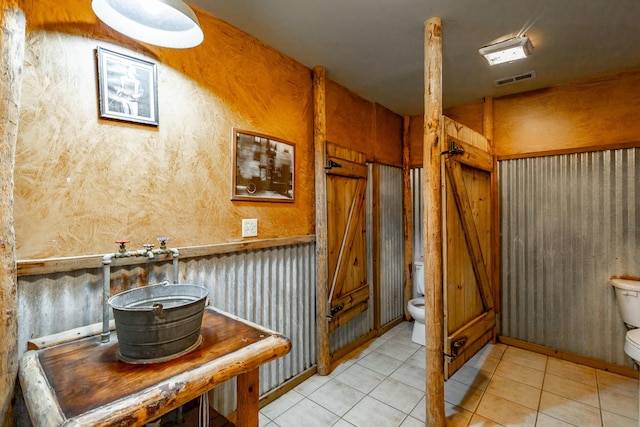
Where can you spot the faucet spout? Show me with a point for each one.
(149, 248)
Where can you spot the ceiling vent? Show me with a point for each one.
(515, 79)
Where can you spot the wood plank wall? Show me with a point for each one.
(363, 126)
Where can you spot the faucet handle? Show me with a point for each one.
(148, 246)
(122, 244)
(163, 242)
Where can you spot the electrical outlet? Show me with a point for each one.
(249, 227)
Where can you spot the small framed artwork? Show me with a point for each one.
(263, 168)
(128, 88)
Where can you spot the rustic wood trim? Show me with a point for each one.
(348, 315)
(575, 150)
(353, 298)
(348, 168)
(570, 357)
(287, 386)
(454, 171)
(473, 156)
(470, 350)
(487, 119)
(68, 336)
(322, 266)
(407, 215)
(375, 239)
(44, 409)
(487, 129)
(388, 326)
(432, 177)
(353, 348)
(473, 330)
(60, 265)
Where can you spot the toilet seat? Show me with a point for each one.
(416, 309)
(632, 344)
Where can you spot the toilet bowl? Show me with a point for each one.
(632, 344)
(628, 298)
(416, 305)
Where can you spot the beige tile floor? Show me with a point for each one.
(384, 385)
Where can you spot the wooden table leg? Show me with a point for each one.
(248, 391)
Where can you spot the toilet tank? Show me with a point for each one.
(628, 298)
(418, 279)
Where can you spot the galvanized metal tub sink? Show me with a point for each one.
(157, 323)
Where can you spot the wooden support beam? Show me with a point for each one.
(487, 130)
(12, 42)
(322, 269)
(408, 216)
(432, 185)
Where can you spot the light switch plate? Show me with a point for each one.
(249, 227)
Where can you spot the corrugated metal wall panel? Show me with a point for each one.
(569, 223)
(417, 203)
(391, 244)
(272, 287)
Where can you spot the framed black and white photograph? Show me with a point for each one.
(264, 168)
(128, 88)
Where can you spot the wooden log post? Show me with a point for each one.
(11, 63)
(322, 271)
(487, 130)
(432, 185)
(408, 215)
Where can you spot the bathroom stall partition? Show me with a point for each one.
(273, 286)
(570, 222)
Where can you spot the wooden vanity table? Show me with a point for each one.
(83, 382)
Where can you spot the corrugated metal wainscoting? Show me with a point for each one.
(569, 223)
(417, 207)
(391, 244)
(273, 287)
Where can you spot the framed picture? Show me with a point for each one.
(263, 168)
(128, 88)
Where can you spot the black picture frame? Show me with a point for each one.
(128, 88)
(263, 168)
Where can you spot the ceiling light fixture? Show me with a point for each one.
(167, 23)
(507, 50)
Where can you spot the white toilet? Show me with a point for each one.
(628, 297)
(416, 305)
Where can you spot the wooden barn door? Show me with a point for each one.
(346, 180)
(468, 293)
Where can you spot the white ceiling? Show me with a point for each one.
(375, 47)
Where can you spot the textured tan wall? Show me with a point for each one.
(84, 182)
